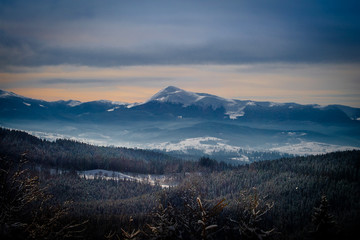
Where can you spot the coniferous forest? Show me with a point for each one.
(43, 196)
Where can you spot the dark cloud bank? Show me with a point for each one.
(237, 32)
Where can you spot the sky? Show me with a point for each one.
(284, 51)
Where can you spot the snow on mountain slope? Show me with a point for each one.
(212, 145)
(6, 94)
(73, 103)
(175, 95)
(208, 145)
(112, 109)
(311, 148)
(234, 108)
(205, 106)
(112, 102)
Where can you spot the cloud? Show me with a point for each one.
(133, 81)
(215, 53)
(125, 33)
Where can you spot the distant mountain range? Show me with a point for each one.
(175, 120)
(171, 103)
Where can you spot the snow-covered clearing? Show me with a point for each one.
(165, 181)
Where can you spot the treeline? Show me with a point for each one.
(271, 199)
(241, 157)
(69, 154)
(295, 185)
(286, 190)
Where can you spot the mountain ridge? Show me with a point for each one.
(171, 96)
(174, 115)
(163, 96)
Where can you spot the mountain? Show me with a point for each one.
(174, 115)
(176, 95)
(252, 110)
(173, 102)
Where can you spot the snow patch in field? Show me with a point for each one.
(163, 180)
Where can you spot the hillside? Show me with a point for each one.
(294, 185)
(69, 154)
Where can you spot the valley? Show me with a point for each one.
(177, 121)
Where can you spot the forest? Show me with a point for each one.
(70, 154)
(313, 197)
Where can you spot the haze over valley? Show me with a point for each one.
(195, 124)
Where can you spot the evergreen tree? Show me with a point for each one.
(325, 225)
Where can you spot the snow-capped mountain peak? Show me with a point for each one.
(175, 95)
(226, 108)
(5, 94)
(235, 109)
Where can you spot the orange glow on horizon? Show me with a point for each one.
(125, 94)
(304, 84)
